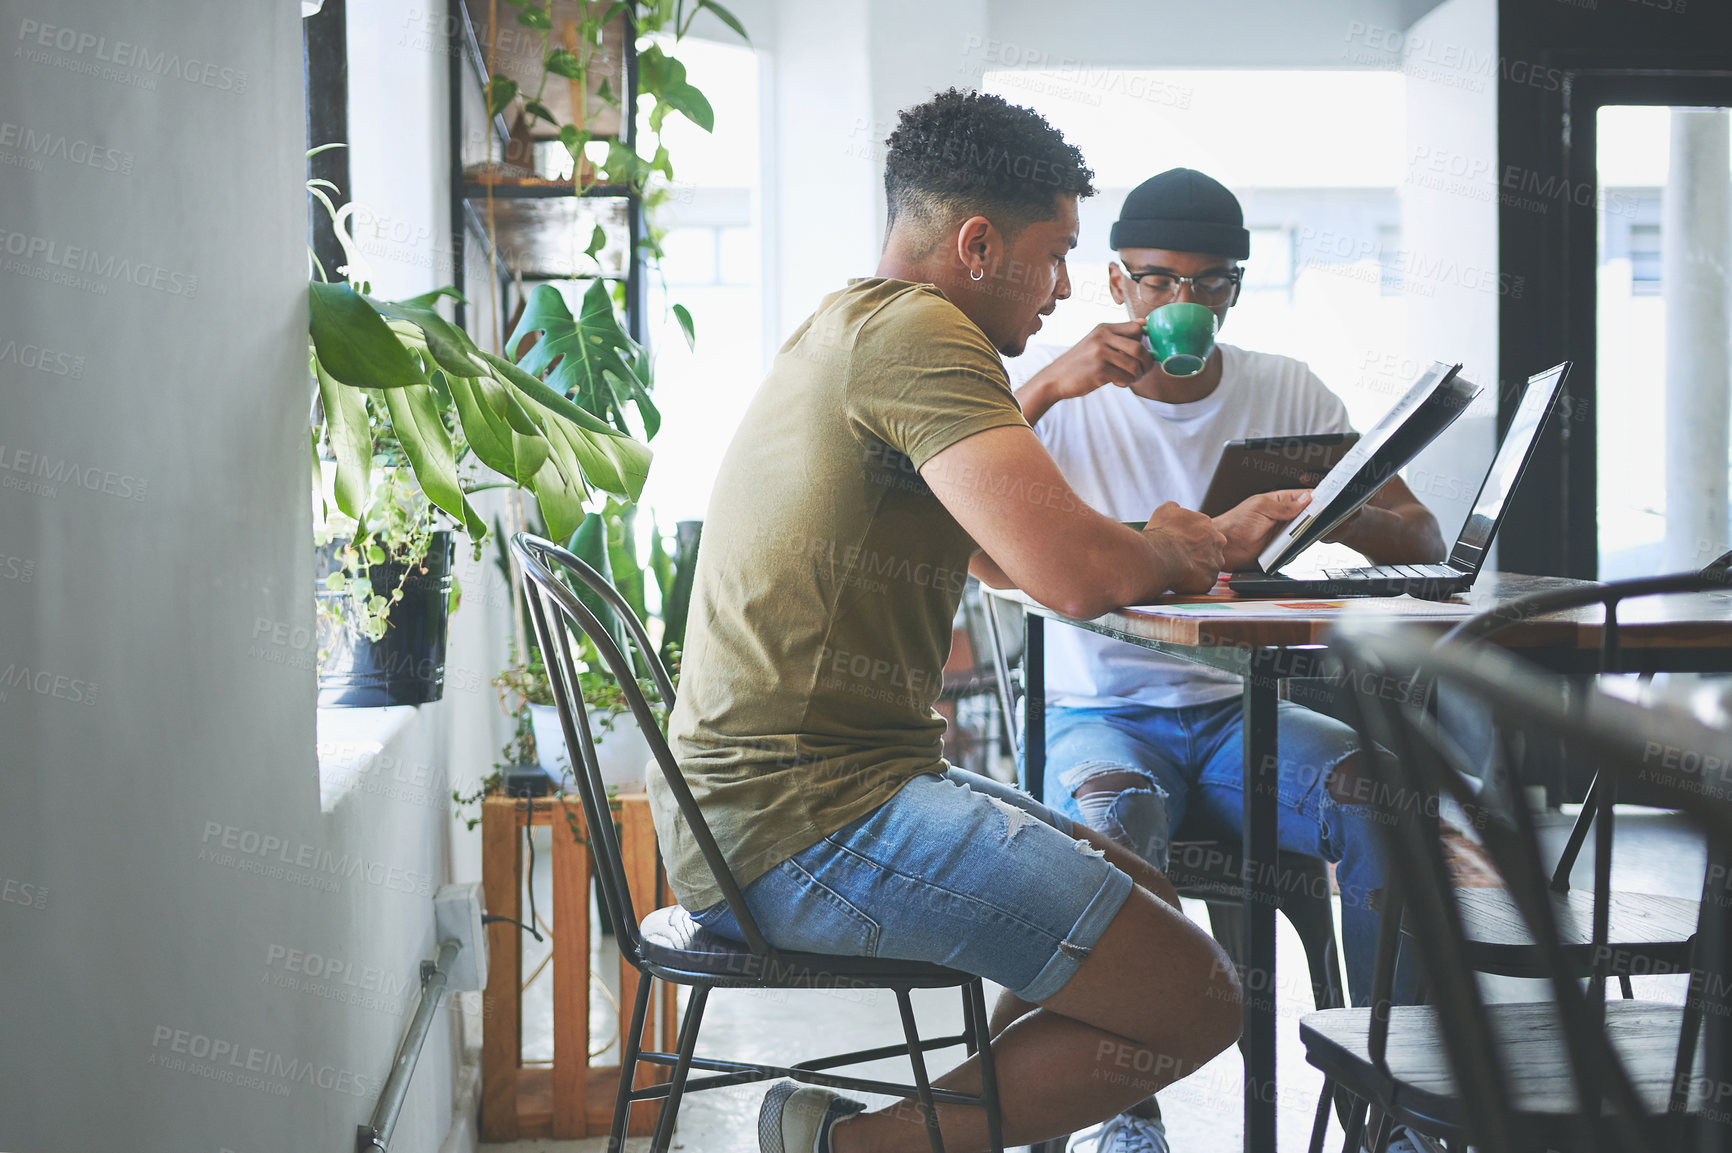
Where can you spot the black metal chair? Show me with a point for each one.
(1573, 1072)
(668, 943)
(1647, 932)
(1212, 870)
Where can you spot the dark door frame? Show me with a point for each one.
(1553, 523)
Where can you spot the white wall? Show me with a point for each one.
(917, 48)
(1187, 34)
(820, 166)
(169, 825)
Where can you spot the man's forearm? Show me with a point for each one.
(1132, 575)
(1135, 580)
(1403, 534)
(1010, 497)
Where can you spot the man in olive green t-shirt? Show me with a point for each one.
(883, 458)
(812, 699)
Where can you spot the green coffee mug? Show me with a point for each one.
(1181, 335)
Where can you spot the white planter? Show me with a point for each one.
(621, 752)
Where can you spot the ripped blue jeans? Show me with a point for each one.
(1192, 767)
(954, 869)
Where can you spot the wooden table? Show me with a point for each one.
(1266, 642)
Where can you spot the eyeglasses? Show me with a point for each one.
(1158, 288)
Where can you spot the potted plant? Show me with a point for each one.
(385, 594)
(411, 418)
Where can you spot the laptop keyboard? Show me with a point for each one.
(1423, 572)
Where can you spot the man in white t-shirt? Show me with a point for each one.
(1137, 743)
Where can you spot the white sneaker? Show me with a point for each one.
(1405, 1140)
(1123, 1134)
(798, 1118)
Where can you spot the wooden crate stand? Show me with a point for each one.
(573, 1098)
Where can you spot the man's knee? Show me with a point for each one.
(1349, 782)
(1186, 993)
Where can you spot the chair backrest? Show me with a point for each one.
(1007, 648)
(1602, 792)
(1414, 764)
(556, 609)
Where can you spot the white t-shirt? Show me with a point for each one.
(1126, 456)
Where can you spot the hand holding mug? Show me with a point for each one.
(1181, 335)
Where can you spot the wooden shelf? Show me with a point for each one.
(515, 51)
(476, 185)
(572, 1098)
(536, 229)
(543, 238)
(535, 1104)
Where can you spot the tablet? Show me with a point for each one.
(1269, 463)
(1429, 407)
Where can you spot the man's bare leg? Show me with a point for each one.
(1155, 999)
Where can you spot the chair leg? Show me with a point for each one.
(1314, 921)
(988, 1069)
(1624, 984)
(1385, 1131)
(922, 1084)
(970, 1031)
(1578, 837)
(677, 1084)
(628, 1065)
(1227, 926)
(1355, 1128)
(1320, 1126)
(1684, 1064)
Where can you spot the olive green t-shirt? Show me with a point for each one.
(826, 582)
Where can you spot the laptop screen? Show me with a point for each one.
(1506, 468)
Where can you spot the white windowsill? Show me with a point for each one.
(349, 741)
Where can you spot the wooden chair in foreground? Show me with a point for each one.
(1573, 1072)
(1644, 932)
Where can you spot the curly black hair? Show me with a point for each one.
(975, 154)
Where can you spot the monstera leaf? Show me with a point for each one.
(588, 358)
(428, 379)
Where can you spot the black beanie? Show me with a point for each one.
(1183, 211)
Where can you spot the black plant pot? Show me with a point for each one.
(406, 666)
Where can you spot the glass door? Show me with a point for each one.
(1663, 198)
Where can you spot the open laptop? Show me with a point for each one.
(1436, 581)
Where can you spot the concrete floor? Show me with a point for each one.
(1654, 852)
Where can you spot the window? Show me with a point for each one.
(1645, 259)
(1270, 264)
(689, 256)
(738, 251)
(712, 267)
(1389, 260)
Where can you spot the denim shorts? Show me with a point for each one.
(956, 870)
